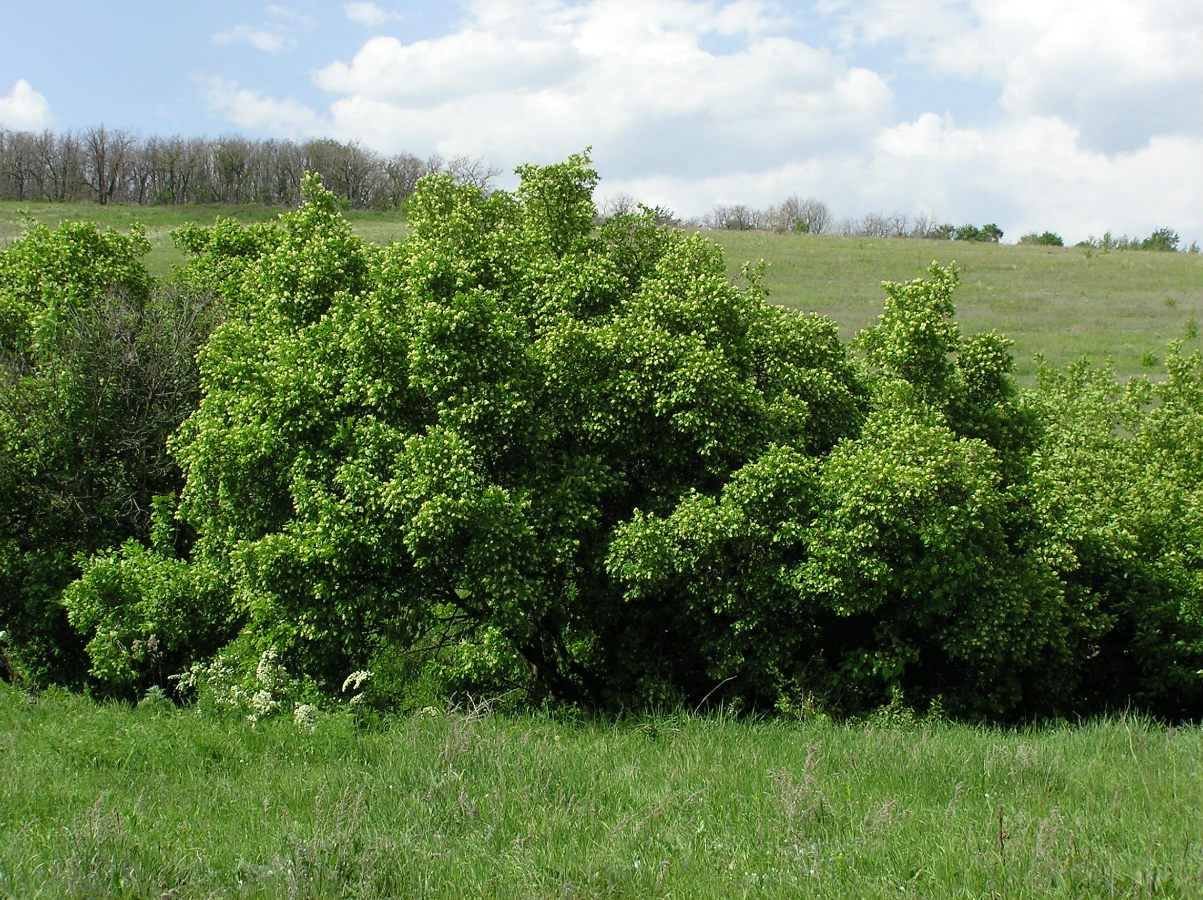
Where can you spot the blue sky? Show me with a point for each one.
(1077, 117)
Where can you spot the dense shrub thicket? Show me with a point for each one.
(522, 450)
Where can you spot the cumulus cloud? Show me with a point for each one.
(1095, 126)
(255, 112)
(633, 78)
(1035, 174)
(1120, 71)
(24, 109)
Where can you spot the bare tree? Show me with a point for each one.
(62, 165)
(232, 170)
(618, 205)
(735, 218)
(105, 161)
(114, 166)
(19, 165)
(809, 216)
(815, 215)
(925, 226)
(283, 164)
(472, 170)
(880, 225)
(401, 176)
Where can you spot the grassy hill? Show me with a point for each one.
(1060, 302)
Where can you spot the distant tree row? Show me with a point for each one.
(116, 166)
(106, 165)
(811, 216)
(1165, 240)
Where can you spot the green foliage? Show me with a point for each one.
(1047, 238)
(526, 452)
(50, 277)
(987, 234)
(1117, 487)
(147, 613)
(449, 430)
(916, 335)
(96, 369)
(1163, 239)
(914, 548)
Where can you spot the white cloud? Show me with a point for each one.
(290, 16)
(521, 81)
(259, 38)
(368, 14)
(425, 72)
(258, 114)
(1028, 176)
(692, 104)
(1034, 174)
(1121, 71)
(24, 109)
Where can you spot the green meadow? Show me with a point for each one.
(156, 801)
(1060, 302)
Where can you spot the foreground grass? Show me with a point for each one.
(1063, 303)
(103, 800)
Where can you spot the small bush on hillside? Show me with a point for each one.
(1163, 239)
(1048, 238)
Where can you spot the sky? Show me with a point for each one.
(1075, 117)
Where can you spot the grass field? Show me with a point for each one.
(1061, 302)
(1056, 301)
(104, 800)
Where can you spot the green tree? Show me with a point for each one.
(523, 448)
(1163, 239)
(990, 233)
(449, 430)
(1116, 486)
(1048, 238)
(96, 369)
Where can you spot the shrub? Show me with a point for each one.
(1163, 239)
(450, 430)
(97, 367)
(1048, 238)
(526, 450)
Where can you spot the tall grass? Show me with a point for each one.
(104, 800)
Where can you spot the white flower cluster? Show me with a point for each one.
(258, 701)
(304, 717)
(354, 682)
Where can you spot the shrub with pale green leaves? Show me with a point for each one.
(522, 452)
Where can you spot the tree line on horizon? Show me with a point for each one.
(104, 165)
(110, 165)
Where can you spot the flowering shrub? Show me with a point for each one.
(523, 450)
